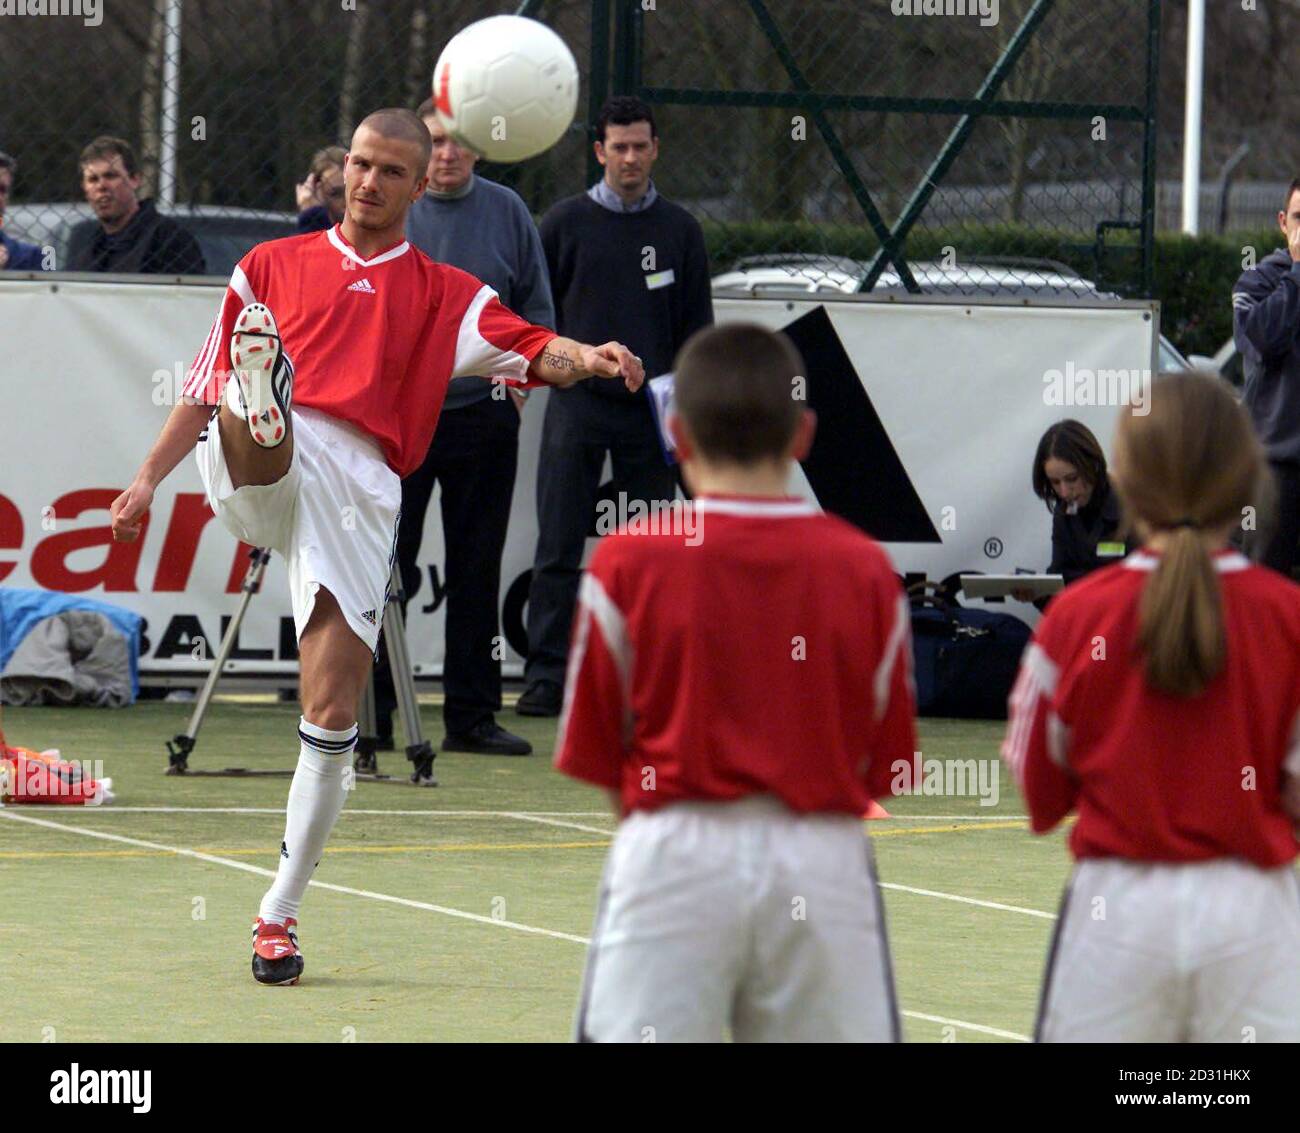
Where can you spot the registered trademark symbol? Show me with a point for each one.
(992, 547)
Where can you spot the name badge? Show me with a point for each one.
(659, 279)
(1110, 550)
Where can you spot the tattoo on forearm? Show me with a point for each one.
(558, 361)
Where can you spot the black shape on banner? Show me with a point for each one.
(853, 468)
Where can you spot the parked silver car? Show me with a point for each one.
(1003, 278)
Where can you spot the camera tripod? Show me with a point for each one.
(365, 764)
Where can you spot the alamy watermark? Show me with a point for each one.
(650, 517)
(39, 779)
(90, 11)
(986, 10)
(1078, 385)
(947, 778)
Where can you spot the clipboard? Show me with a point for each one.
(660, 393)
(1001, 585)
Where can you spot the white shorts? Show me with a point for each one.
(1203, 952)
(333, 516)
(740, 917)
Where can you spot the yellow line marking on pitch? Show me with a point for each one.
(447, 848)
(875, 831)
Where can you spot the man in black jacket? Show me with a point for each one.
(1266, 329)
(132, 236)
(624, 259)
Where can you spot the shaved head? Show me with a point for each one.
(401, 125)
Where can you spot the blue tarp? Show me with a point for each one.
(20, 610)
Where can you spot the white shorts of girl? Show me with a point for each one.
(1169, 952)
(333, 516)
(738, 918)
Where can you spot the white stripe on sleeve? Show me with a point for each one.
(596, 606)
(475, 355)
(201, 374)
(1037, 680)
(899, 643)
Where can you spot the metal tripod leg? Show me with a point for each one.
(365, 760)
(418, 750)
(180, 746)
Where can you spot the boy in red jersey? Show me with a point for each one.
(741, 686)
(1160, 700)
(309, 463)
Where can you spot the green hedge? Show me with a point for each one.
(1193, 275)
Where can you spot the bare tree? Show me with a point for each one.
(150, 94)
(1028, 80)
(353, 63)
(419, 64)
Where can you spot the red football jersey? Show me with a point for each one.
(1156, 777)
(373, 342)
(761, 648)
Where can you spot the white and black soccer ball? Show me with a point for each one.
(506, 87)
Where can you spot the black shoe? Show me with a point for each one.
(541, 698)
(487, 738)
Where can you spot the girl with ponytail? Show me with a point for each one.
(1160, 702)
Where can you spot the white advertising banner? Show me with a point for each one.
(928, 412)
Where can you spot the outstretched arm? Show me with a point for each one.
(561, 362)
(179, 435)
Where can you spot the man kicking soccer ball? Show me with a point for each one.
(306, 457)
(742, 685)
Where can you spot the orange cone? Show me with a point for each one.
(876, 811)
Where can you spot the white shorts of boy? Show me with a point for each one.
(742, 918)
(1169, 952)
(333, 516)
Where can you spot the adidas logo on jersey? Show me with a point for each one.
(362, 285)
(369, 615)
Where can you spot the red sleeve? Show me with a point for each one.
(1037, 741)
(595, 724)
(893, 697)
(206, 378)
(491, 340)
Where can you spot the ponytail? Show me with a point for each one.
(1180, 617)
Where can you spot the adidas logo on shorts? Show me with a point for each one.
(369, 615)
(362, 285)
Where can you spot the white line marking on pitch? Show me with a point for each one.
(967, 1026)
(247, 868)
(969, 901)
(213, 859)
(556, 822)
(270, 810)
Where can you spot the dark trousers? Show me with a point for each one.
(580, 427)
(1280, 552)
(473, 457)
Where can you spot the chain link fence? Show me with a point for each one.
(1013, 142)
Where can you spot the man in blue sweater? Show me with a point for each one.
(1266, 329)
(627, 261)
(485, 229)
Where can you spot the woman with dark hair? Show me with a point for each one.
(1070, 478)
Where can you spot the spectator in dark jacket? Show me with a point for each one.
(132, 235)
(1266, 329)
(14, 254)
(321, 197)
(1070, 477)
(623, 259)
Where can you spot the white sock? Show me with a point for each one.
(315, 799)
